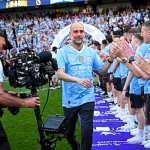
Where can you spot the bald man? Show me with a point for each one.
(75, 63)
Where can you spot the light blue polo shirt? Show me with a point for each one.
(78, 64)
(143, 49)
(117, 73)
(123, 70)
(147, 83)
(106, 49)
(134, 86)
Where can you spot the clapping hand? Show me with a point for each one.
(143, 64)
(128, 52)
(117, 50)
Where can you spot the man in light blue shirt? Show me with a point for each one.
(75, 65)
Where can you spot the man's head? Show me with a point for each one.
(95, 45)
(116, 35)
(145, 32)
(109, 38)
(77, 33)
(45, 46)
(54, 49)
(131, 32)
(103, 44)
(137, 40)
(125, 32)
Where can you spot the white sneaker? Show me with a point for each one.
(145, 142)
(115, 107)
(134, 130)
(135, 140)
(102, 92)
(118, 111)
(108, 99)
(123, 117)
(147, 136)
(127, 127)
(147, 145)
(126, 120)
(51, 88)
(120, 114)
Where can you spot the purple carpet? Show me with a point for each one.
(106, 135)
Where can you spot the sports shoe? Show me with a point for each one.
(147, 136)
(127, 127)
(115, 107)
(102, 92)
(147, 145)
(118, 111)
(52, 88)
(120, 114)
(108, 99)
(135, 140)
(126, 120)
(124, 116)
(134, 132)
(145, 142)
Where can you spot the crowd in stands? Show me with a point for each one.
(122, 24)
(37, 29)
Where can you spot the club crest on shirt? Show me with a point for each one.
(89, 58)
(81, 59)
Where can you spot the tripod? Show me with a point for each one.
(53, 129)
(45, 143)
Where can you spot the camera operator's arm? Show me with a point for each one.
(65, 77)
(11, 101)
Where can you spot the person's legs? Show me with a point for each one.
(71, 115)
(86, 113)
(137, 103)
(4, 144)
(140, 117)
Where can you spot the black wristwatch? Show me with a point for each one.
(124, 60)
(110, 61)
(131, 59)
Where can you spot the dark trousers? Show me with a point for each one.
(4, 145)
(86, 113)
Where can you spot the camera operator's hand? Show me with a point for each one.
(31, 102)
(85, 82)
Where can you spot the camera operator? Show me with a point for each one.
(9, 99)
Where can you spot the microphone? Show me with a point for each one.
(45, 56)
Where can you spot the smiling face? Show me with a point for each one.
(77, 33)
(145, 33)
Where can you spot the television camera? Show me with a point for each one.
(30, 70)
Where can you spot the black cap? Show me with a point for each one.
(2, 34)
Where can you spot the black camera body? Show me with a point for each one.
(30, 70)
